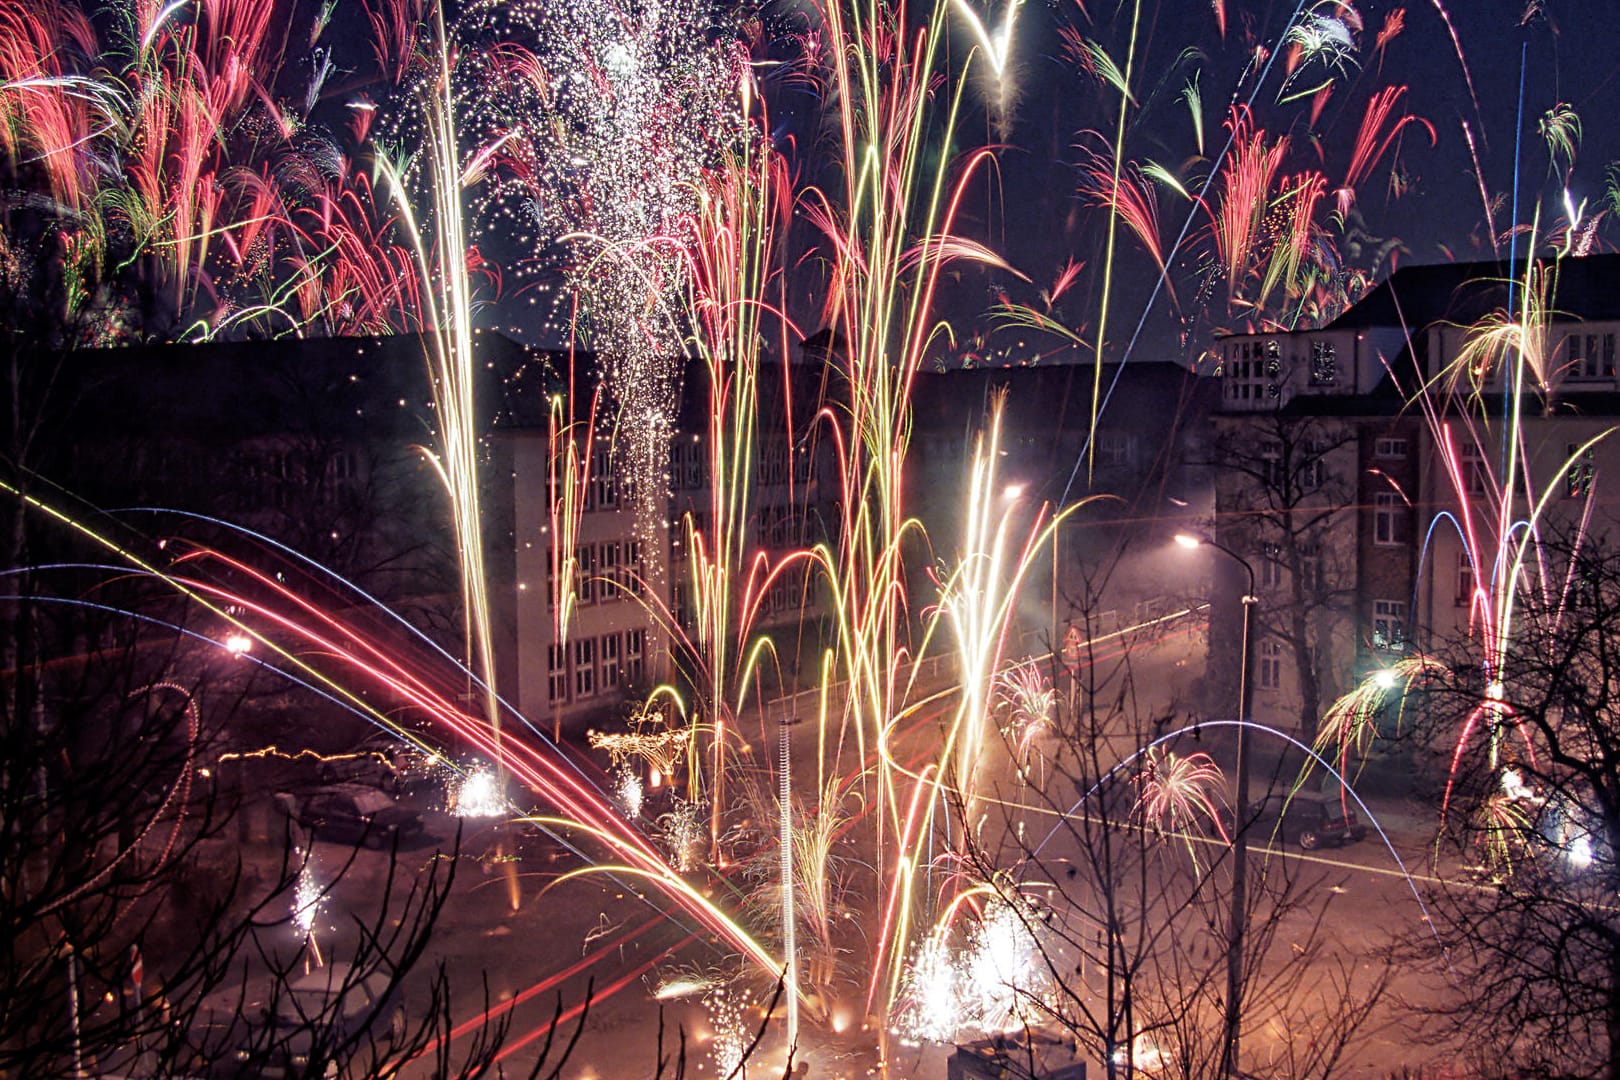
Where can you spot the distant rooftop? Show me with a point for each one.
(1461, 293)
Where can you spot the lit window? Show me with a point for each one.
(1579, 472)
(1324, 363)
(1389, 625)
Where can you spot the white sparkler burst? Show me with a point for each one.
(308, 896)
(1005, 973)
(478, 795)
(628, 791)
(932, 994)
(726, 1006)
(992, 984)
(622, 112)
(684, 835)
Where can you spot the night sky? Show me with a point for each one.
(1419, 202)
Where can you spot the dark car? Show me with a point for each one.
(356, 814)
(328, 1016)
(1307, 820)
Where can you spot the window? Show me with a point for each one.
(611, 583)
(551, 578)
(1299, 468)
(1389, 625)
(1476, 472)
(1273, 474)
(1114, 448)
(1324, 363)
(1465, 579)
(584, 668)
(630, 568)
(1579, 471)
(609, 669)
(1254, 372)
(773, 460)
(1268, 665)
(1271, 568)
(1390, 447)
(635, 647)
(342, 473)
(694, 465)
(682, 607)
(1313, 470)
(602, 494)
(1310, 569)
(1591, 356)
(557, 674)
(686, 464)
(1389, 519)
(584, 575)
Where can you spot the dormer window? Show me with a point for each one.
(1324, 363)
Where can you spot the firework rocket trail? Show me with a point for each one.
(279, 620)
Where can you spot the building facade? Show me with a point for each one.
(1383, 473)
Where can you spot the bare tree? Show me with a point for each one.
(1118, 865)
(1286, 485)
(132, 923)
(1527, 782)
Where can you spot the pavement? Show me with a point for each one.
(543, 943)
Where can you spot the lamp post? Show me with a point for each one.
(1240, 817)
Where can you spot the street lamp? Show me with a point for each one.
(1240, 834)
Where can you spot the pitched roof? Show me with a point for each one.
(1461, 293)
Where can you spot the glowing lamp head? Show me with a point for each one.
(1385, 679)
(1189, 541)
(1494, 690)
(238, 644)
(1012, 492)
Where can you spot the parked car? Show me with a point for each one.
(1307, 820)
(355, 814)
(330, 1013)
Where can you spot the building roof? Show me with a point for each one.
(1057, 398)
(1461, 293)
